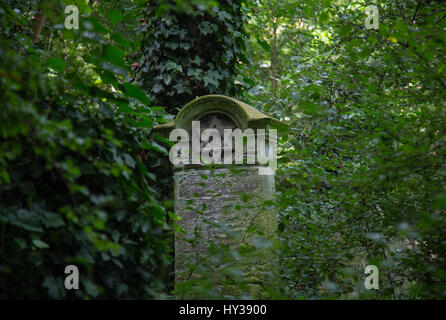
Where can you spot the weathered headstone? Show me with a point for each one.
(221, 203)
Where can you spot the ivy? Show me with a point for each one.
(190, 51)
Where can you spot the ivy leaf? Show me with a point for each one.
(224, 15)
(167, 78)
(207, 28)
(196, 60)
(170, 65)
(157, 88)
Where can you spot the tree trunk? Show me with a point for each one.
(39, 21)
(191, 51)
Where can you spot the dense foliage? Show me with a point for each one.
(74, 187)
(361, 179)
(363, 171)
(190, 49)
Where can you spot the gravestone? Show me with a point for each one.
(222, 203)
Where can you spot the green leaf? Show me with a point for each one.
(55, 287)
(224, 15)
(155, 146)
(196, 60)
(114, 16)
(91, 289)
(56, 64)
(146, 122)
(113, 55)
(121, 40)
(109, 78)
(134, 91)
(440, 201)
(265, 45)
(129, 160)
(40, 244)
(53, 220)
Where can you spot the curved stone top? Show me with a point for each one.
(241, 113)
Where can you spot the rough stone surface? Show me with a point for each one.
(220, 206)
